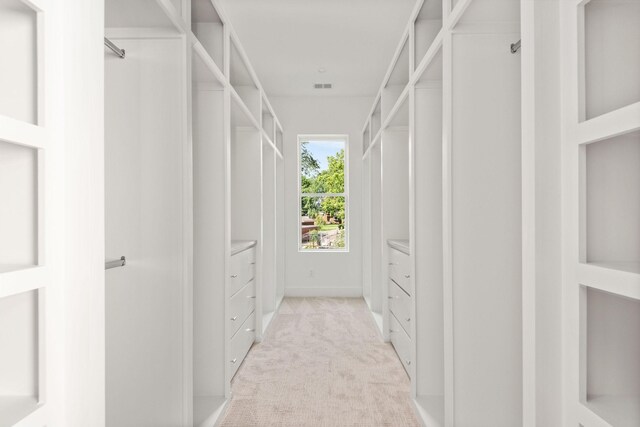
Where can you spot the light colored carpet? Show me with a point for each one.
(322, 363)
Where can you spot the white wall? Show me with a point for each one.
(334, 274)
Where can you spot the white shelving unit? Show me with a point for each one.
(429, 274)
(222, 183)
(601, 148)
(144, 158)
(209, 249)
(443, 171)
(24, 143)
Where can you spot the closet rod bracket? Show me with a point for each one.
(515, 47)
(115, 49)
(115, 263)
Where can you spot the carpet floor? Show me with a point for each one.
(322, 363)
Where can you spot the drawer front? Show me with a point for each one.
(241, 343)
(401, 342)
(241, 305)
(400, 305)
(400, 269)
(242, 270)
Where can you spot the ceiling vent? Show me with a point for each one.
(322, 86)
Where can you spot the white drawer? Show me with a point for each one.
(401, 342)
(400, 269)
(242, 270)
(400, 305)
(241, 343)
(241, 305)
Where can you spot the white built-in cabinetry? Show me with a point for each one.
(194, 182)
(241, 303)
(25, 274)
(442, 171)
(400, 296)
(601, 160)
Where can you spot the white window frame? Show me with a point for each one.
(347, 232)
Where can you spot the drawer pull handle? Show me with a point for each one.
(393, 297)
(250, 330)
(406, 276)
(408, 362)
(251, 296)
(252, 263)
(234, 318)
(393, 263)
(233, 276)
(234, 361)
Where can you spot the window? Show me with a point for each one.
(323, 193)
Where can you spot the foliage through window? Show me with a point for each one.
(323, 193)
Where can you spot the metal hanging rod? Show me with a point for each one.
(120, 52)
(115, 263)
(515, 46)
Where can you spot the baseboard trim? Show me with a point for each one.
(323, 292)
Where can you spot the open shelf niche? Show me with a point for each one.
(427, 25)
(209, 184)
(366, 137)
(366, 227)
(397, 82)
(611, 63)
(376, 121)
(20, 356)
(493, 15)
(429, 276)
(268, 122)
(611, 198)
(208, 28)
(375, 232)
(280, 220)
(246, 179)
(279, 141)
(19, 210)
(486, 221)
(242, 81)
(269, 233)
(395, 173)
(19, 76)
(140, 15)
(611, 351)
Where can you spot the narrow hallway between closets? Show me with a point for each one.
(321, 363)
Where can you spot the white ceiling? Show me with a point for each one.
(287, 42)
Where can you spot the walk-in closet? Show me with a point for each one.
(254, 213)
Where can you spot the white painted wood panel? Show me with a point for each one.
(209, 183)
(144, 171)
(429, 281)
(486, 220)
